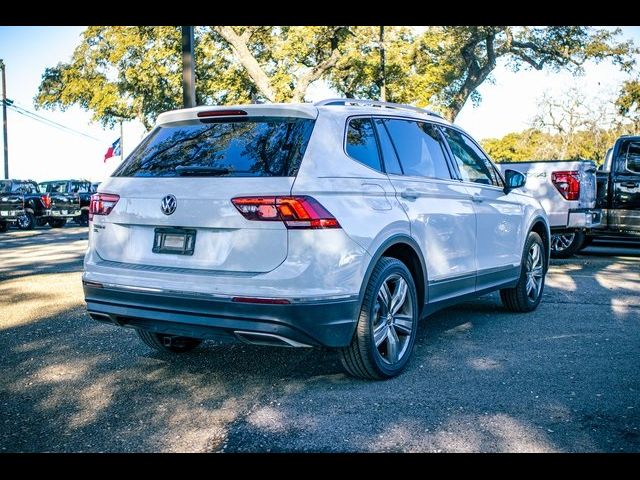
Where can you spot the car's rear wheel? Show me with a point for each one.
(564, 245)
(168, 343)
(26, 221)
(57, 222)
(387, 324)
(4, 226)
(527, 293)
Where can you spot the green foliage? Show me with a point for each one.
(135, 72)
(533, 144)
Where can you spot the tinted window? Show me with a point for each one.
(249, 147)
(391, 163)
(474, 166)
(419, 147)
(24, 187)
(633, 157)
(81, 187)
(5, 186)
(361, 143)
(53, 187)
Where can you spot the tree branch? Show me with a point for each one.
(239, 46)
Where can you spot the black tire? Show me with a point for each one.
(519, 299)
(586, 243)
(4, 226)
(26, 221)
(57, 222)
(362, 358)
(82, 219)
(168, 343)
(561, 249)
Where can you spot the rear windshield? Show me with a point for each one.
(5, 187)
(53, 187)
(251, 147)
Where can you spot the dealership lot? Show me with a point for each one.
(564, 378)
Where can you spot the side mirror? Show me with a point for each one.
(513, 180)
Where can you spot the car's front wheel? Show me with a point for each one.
(527, 293)
(168, 343)
(387, 324)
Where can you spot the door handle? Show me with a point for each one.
(410, 193)
(629, 184)
(477, 198)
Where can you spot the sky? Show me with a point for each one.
(42, 152)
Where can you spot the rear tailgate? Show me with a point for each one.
(179, 183)
(540, 185)
(64, 203)
(11, 206)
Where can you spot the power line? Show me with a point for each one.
(46, 121)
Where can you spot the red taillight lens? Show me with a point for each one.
(567, 183)
(46, 201)
(102, 204)
(296, 212)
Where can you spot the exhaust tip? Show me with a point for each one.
(267, 339)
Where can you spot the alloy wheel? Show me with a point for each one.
(534, 272)
(394, 319)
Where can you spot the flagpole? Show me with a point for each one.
(121, 143)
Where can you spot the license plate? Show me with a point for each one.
(177, 241)
(60, 212)
(4, 213)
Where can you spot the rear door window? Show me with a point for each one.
(238, 147)
(419, 146)
(361, 143)
(389, 156)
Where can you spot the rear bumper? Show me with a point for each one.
(10, 215)
(584, 218)
(63, 213)
(317, 323)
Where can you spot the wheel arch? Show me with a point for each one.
(404, 248)
(541, 227)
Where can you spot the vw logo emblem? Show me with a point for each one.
(168, 204)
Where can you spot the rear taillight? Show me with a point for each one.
(221, 113)
(567, 183)
(46, 200)
(296, 212)
(102, 204)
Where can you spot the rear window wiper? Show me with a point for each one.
(186, 171)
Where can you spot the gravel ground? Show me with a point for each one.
(562, 379)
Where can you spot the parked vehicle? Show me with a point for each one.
(11, 206)
(612, 209)
(338, 224)
(618, 191)
(42, 208)
(84, 189)
(567, 191)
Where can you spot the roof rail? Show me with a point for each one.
(375, 103)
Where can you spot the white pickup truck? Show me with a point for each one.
(567, 191)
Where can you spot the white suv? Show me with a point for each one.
(339, 224)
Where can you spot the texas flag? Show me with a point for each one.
(113, 150)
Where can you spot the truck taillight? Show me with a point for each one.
(102, 204)
(295, 212)
(567, 183)
(46, 200)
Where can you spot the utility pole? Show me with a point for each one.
(383, 81)
(188, 69)
(4, 121)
